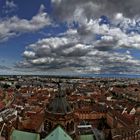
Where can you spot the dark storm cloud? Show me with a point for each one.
(65, 9)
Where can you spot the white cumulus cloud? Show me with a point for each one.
(13, 26)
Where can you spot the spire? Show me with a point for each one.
(59, 104)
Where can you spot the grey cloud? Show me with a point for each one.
(104, 47)
(111, 37)
(105, 44)
(65, 9)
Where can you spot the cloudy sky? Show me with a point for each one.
(69, 36)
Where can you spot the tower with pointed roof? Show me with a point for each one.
(60, 112)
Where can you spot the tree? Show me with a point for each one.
(17, 86)
(6, 86)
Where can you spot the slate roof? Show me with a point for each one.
(59, 105)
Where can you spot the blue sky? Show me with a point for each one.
(69, 37)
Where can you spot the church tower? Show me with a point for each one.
(59, 112)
